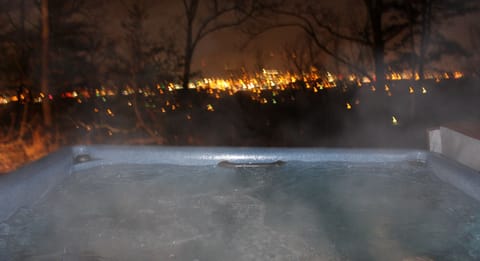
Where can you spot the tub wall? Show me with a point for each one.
(26, 186)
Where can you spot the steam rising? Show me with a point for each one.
(298, 211)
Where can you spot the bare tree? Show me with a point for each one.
(423, 42)
(259, 60)
(4, 8)
(146, 58)
(475, 44)
(47, 111)
(48, 44)
(381, 26)
(205, 17)
(301, 55)
(146, 61)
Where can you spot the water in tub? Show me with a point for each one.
(297, 211)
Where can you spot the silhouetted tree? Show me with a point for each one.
(72, 29)
(17, 47)
(259, 60)
(16, 50)
(146, 60)
(321, 24)
(47, 44)
(204, 17)
(47, 111)
(301, 55)
(423, 42)
(475, 45)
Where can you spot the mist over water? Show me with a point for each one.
(299, 211)
(294, 117)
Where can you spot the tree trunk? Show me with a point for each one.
(378, 48)
(376, 10)
(425, 37)
(47, 112)
(187, 68)
(23, 67)
(379, 57)
(189, 48)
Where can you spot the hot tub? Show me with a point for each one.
(165, 203)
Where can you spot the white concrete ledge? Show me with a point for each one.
(456, 145)
(201, 156)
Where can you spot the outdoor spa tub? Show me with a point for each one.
(171, 203)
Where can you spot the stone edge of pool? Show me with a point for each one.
(29, 184)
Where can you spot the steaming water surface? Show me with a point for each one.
(299, 211)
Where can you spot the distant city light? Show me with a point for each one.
(457, 75)
(110, 113)
(268, 81)
(394, 121)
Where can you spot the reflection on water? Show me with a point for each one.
(298, 211)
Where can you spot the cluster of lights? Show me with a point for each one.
(395, 76)
(271, 80)
(4, 99)
(267, 80)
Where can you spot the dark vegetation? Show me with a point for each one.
(293, 117)
(52, 46)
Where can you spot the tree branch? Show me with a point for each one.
(330, 30)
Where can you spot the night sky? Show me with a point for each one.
(229, 48)
(226, 49)
(293, 107)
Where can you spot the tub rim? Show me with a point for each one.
(29, 184)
